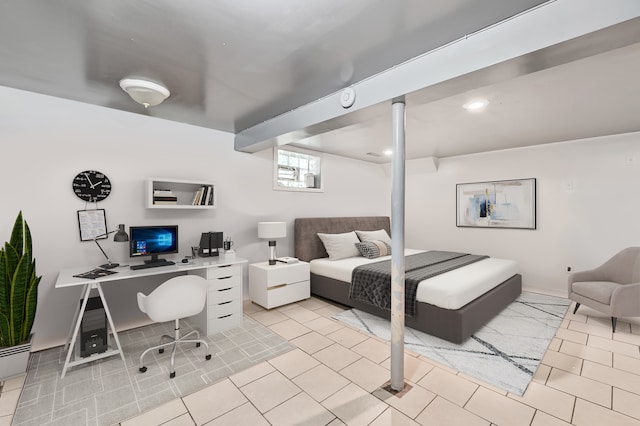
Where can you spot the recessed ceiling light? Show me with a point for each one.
(387, 152)
(476, 105)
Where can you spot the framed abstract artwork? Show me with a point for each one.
(497, 204)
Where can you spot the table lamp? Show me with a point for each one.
(120, 236)
(271, 231)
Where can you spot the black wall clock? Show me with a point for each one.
(91, 186)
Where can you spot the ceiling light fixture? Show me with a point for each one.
(145, 92)
(476, 105)
(387, 152)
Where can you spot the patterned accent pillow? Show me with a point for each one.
(373, 249)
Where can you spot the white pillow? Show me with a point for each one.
(379, 235)
(340, 246)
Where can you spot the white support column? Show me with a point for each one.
(397, 246)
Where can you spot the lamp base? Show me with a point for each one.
(272, 252)
(109, 265)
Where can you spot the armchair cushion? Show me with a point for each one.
(600, 291)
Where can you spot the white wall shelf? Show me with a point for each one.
(184, 191)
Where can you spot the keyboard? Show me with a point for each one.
(152, 265)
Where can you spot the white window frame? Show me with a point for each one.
(277, 183)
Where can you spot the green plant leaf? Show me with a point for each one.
(17, 235)
(4, 330)
(30, 307)
(19, 286)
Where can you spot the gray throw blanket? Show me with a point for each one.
(371, 283)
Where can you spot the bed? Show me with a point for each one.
(447, 321)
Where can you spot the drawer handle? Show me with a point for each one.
(277, 286)
(225, 278)
(225, 266)
(225, 316)
(225, 289)
(224, 303)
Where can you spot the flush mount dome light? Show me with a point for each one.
(145, 92)
(476, 105)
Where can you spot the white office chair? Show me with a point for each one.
(178, 297)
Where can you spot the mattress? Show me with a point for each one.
(451, 290)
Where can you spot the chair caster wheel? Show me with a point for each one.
(142, 369)
(161, 350)
(197, 344)
(172, 375)
(208, 357)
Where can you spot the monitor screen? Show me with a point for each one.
(153, 240)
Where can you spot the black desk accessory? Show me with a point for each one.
(210, 244)
(95, 273)
(121, 236)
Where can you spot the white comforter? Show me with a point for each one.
(451, 290)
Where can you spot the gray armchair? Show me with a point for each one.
(612, 288)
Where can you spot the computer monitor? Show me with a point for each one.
(153, 241)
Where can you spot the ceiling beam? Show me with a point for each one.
(529, 35)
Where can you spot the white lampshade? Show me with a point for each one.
(145, 92)
(272, 230)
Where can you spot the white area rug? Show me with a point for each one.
(504, 353)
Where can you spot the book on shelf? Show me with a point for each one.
(207, 198)
(164, 198)
(162, 192)
(203, 196)
(196, 198)
(165, 203)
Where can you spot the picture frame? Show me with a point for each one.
(509, 204)
(92, 224)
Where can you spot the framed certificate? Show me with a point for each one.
(92, 224)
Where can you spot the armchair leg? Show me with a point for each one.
(576, 308)
(613, 323)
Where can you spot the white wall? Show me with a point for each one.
(46, 141)
(579, 227)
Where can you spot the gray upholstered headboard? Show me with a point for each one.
(307, 243)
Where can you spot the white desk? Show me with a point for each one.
(225, 289)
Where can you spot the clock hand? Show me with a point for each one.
(88, 180)
(95, 184)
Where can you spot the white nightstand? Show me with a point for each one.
(279, 284)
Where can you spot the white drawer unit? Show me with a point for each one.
(224, 298)
(276, 285)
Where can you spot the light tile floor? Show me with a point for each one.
(589, 376)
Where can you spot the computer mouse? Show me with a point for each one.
(185, 260)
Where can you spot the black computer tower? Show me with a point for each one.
(93, 328)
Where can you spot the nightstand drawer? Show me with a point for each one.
(288, 293)
(289, 275)
(224, 271)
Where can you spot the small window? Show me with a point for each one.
(297, 170)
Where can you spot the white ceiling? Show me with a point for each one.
(234, 64)
(595, 96)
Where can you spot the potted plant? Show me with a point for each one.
(18, 299)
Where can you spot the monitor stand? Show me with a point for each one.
(154, 259)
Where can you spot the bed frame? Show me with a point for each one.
(452, 325)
